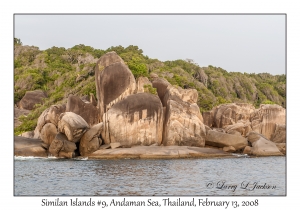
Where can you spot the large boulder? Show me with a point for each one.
(114, 81)
(29, 147)
(264, 119)
(136, 120)
(72, 125)
(54, 113)
(220, 139)
(161, 86)
(240, 127)
(90, 141)
(42, 120)
(31, 98)
(17, 113)
(183, 124)
(62, 147)
(86, 110)
(49, 115)
(279, 136)
(261, 146)
(48, 133)
(228, 114)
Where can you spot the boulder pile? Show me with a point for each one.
(126, 114)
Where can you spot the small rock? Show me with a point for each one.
(229, 149)
(115, 145)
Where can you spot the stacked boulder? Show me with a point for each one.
(131, 116)
(67, 134)
(114, 81)
(129, 113)
(243, 120)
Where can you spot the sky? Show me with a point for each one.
(236, 43)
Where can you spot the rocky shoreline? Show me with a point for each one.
(130, 120)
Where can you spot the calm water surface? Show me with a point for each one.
(232, 176)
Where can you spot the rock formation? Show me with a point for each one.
(48, 133)
(86, 110)
(228, 114)
(62, 147)
(279, 135)
(136, 120)
(29, 147)
(54, 113)
(90, 141)
(264, 119)
(31, 98)
(141, 82)
(220, 139)
(72, 125)
(183, 121)
(261, 146)
(114, 81)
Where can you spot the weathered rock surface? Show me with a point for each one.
(86, 110)
(17, 113)
(54, 113)
(243, 128)
(279, 136)
(281, 147)
(136, 120)
(31, 98)
(264, 119)
(29, 147)
(228, 114)
(115, 145)
(161, 86)
(48, 133)
(114, 81)
(183, 121)
(42, 120)
(261, 146)
(28, 134)
(72, 125)
(49, 115)
(220, 139)
(141, 82)
(229, 149)
(62, 147)
(90, 141)
(154, 152)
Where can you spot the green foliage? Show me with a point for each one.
(55, 71)
(150, 89)
(17, 41)
(137, 68)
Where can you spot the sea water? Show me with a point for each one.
(134, 177)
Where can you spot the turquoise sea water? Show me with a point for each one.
(125, 177)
